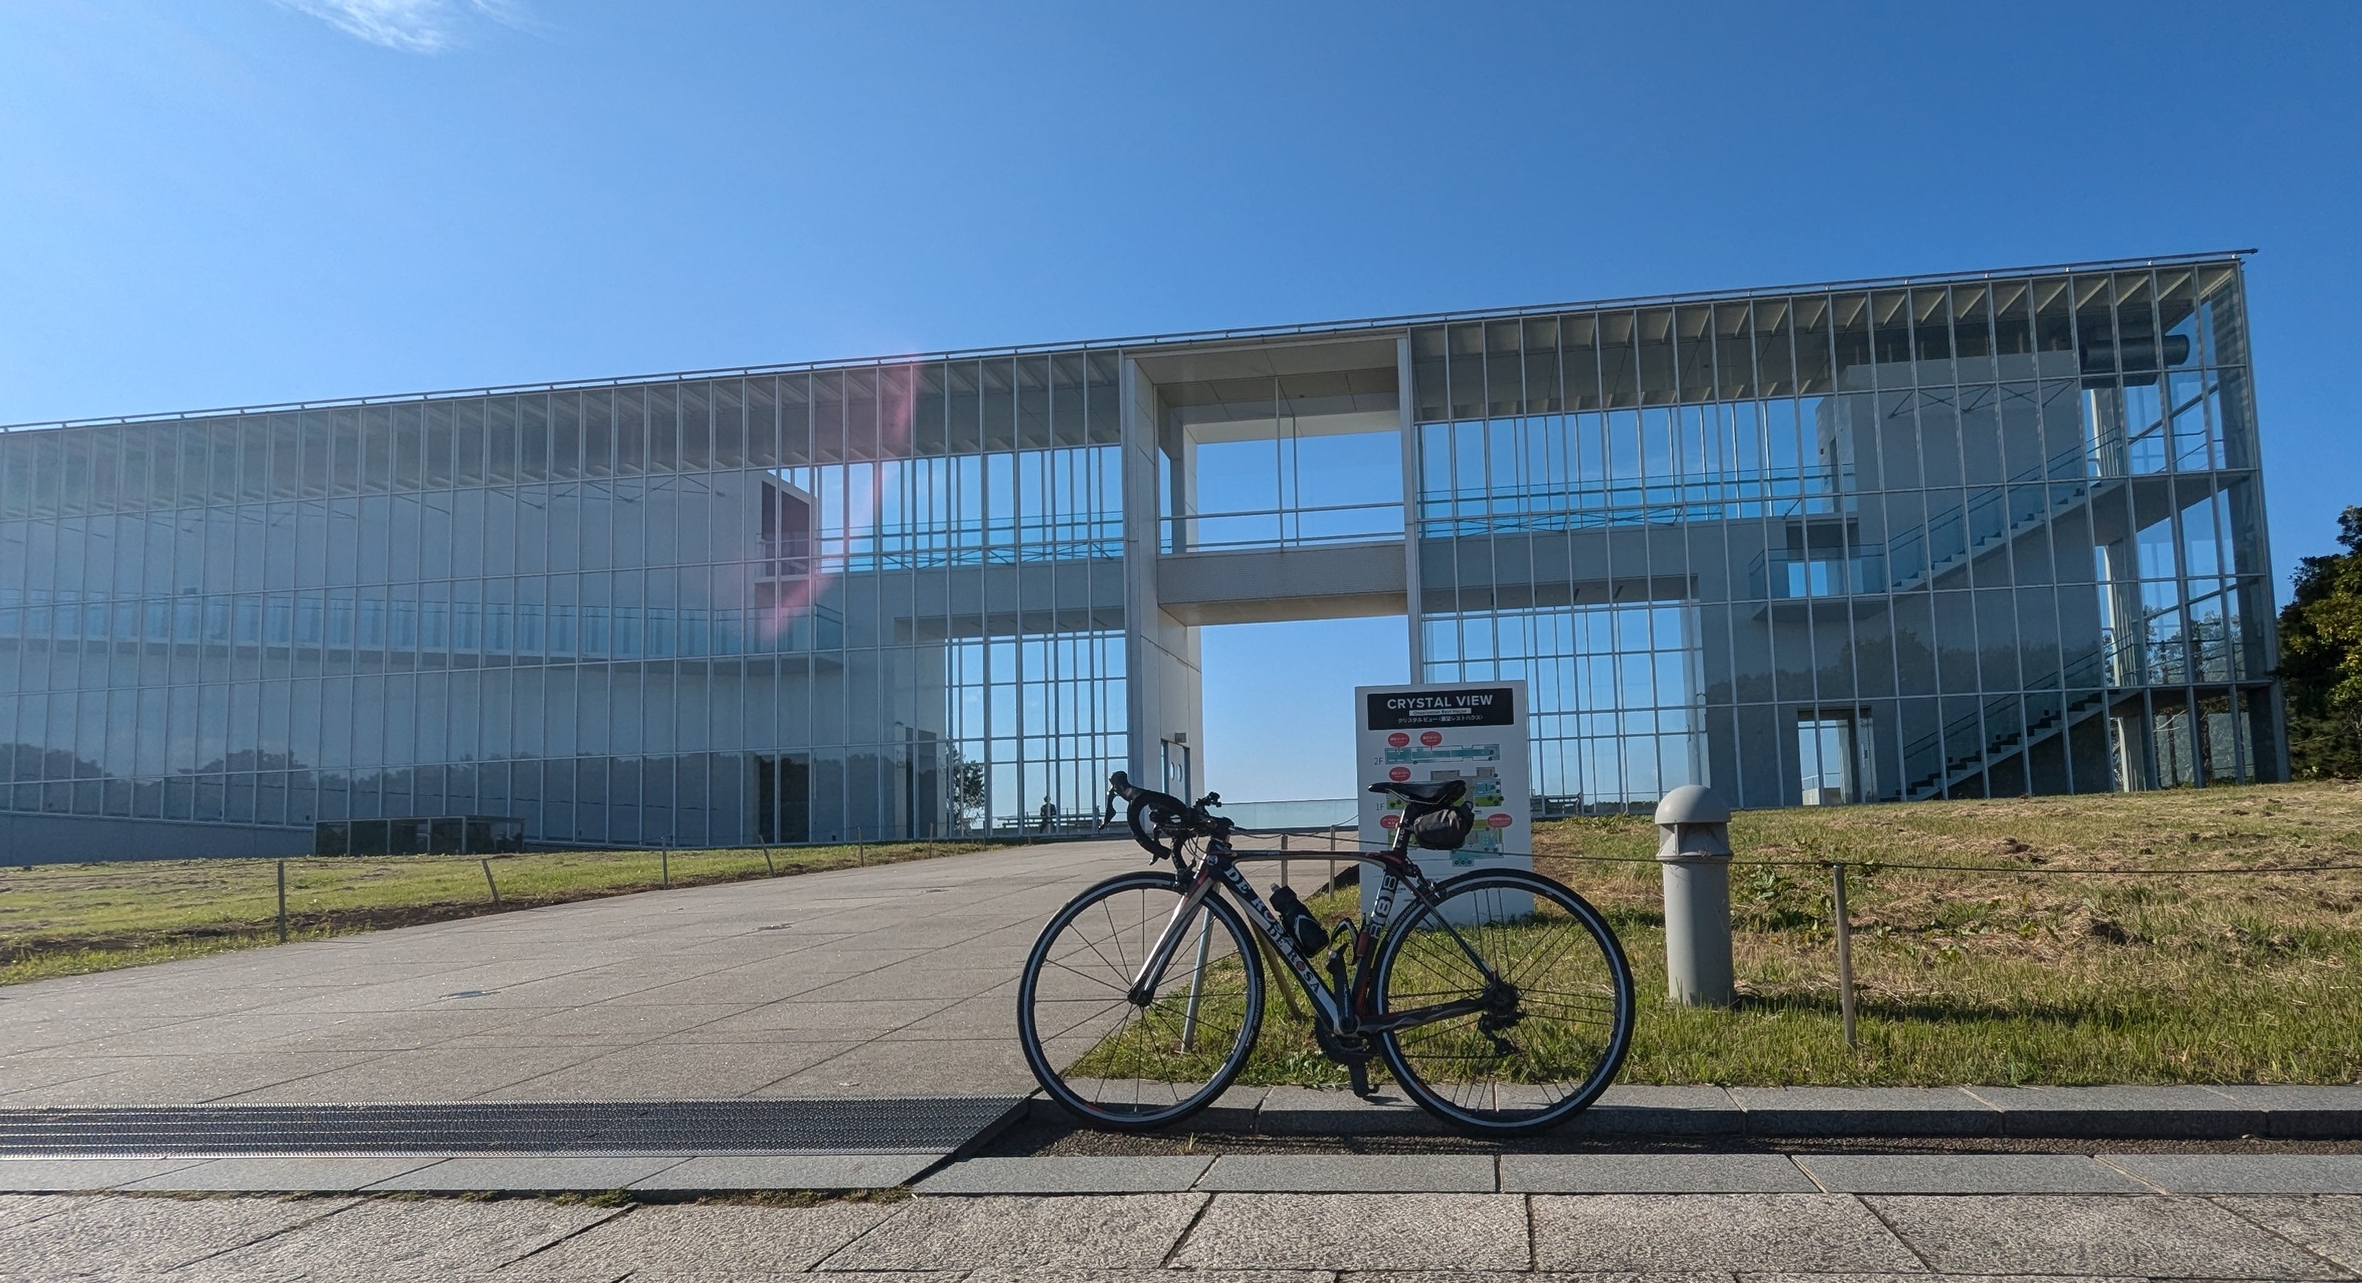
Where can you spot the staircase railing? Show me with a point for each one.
(1930, 771)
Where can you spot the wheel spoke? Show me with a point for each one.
(1565, 1009)
(1124, 1064)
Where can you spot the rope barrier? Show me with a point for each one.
(1841, 920)
(1349, 850)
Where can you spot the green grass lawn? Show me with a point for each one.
(62, 919)
(2024, 977)
(2014, 977)
(2045, 976)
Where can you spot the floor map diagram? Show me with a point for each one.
(1473, 731)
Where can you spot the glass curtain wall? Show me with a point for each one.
(777, 607)
(1982, 538)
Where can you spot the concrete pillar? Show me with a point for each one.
(1693, 848)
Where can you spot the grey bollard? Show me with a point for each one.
(1693, 847)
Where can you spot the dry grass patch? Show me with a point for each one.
(2035, 975)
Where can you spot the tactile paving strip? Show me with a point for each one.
(925, 1125)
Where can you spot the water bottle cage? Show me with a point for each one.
(1303, 929)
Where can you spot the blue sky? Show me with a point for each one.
(210, 202)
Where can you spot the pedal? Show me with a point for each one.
(1359, 1073)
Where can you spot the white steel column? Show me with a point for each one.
(1410, 503)
(1140, 551)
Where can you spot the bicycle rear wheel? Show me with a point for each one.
(1124, 1065)
(1557, 1013)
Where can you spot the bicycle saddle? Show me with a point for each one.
(1438, 793)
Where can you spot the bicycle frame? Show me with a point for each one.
(1345, 1013)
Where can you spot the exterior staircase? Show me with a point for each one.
(1934, 773)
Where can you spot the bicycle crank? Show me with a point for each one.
(1352, 1052)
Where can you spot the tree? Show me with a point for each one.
(966, 779)
(2321, 659)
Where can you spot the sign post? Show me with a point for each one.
(1473, 731)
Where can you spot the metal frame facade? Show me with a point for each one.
(1978, 534)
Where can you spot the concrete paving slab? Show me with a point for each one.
(1133, 1231)
(307, 1174)
(2330, 1225)
(45, 1069)
(188, 1077)
(409, 1239)
(430, 1073)
(1300, 1111)
(2092, 1234)
(2245, 1173)
(1340, 1173)
(1749, 1277)
(705, 1241)
(1652, 1174)
(1150, 1276)
(1554, 1276)
(2171, 1113)
(1232, 1111)
(532, 1173)
(1661, 1111)
(2303, 1112)
(789, 1171)
(67, 1175)
(1865, 1111)
(1821, 1233)
(1359, 1232)
(371, 1017)
(880, 1068)
(111, 1236)
(1144, 1174)
(15, 1208)
(669, 1070)
(1966, 1174)
(797, 1020)
(603, 1024)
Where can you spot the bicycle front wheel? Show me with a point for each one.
(1134, 1066)
(1551, 994)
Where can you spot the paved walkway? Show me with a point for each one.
(1197, 1238)
(1662, 1172)
(890, 981)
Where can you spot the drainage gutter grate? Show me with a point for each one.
(923, 1125)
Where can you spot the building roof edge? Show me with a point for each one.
(1245, 334)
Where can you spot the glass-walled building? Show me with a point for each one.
(1971, 535)
(1980, 537)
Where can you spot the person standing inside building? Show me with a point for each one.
(1049, 814)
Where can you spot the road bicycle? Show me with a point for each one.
(1498, 1000)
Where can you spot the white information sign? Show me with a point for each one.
(1473, 731)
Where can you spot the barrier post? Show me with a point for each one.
(1197, 981)
(488, 882)
(282, 901)
(1845, 953)
(1693, 849)
(664, 855)
(767, 862)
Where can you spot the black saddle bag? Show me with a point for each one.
(1444, 829)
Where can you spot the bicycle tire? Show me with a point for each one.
(1582, 1020)
(1089, 986)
